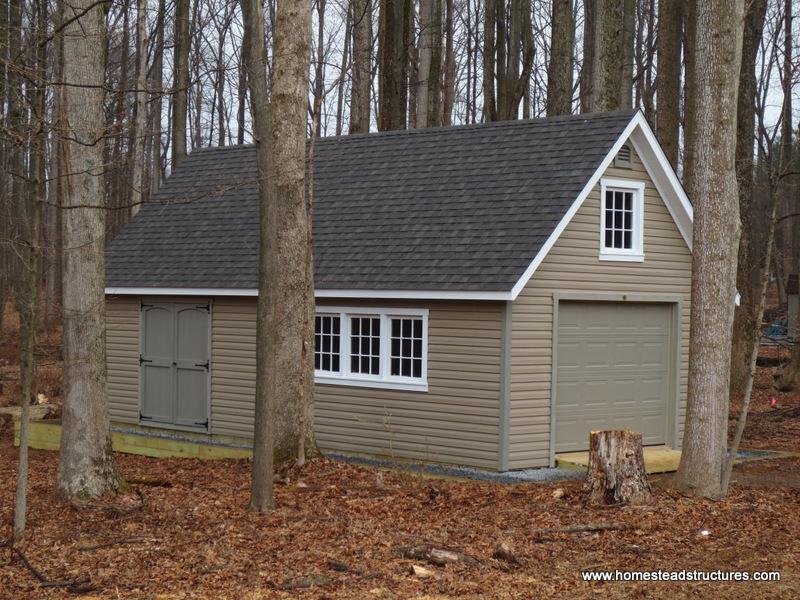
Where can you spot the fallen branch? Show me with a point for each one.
(75, 586)
(112, 543)
(436, 556)
(585, 529)
(151, 482)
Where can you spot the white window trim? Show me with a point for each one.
(384, 380)
(635, 254)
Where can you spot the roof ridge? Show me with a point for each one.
(432, 130)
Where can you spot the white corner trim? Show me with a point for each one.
(365, 294)
(659, 169)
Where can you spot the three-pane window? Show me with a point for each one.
(380, 347)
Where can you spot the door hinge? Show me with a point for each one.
(147, 305)
(205, 365)
(143, 418)
(144, 360)
(206, 307)
(203, 424)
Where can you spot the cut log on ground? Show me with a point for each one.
(616, 473)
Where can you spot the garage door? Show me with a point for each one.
(613, 371)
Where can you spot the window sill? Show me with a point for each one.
(422, 386)
(622, 257)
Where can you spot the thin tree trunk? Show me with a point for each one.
(689, 94)
(362, 66)
(559, 70)
(319, 70)
(157, 101)
(746, 321)
(713, 189)
(763, 287)
(180, 101)
(86, 463)
(140, 110)
(449, 75)
(587, 68)
(668, 79)
(393, 48)
(261, 495)
(32, 265)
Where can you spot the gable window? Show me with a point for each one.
(621, 220)
(372, 347)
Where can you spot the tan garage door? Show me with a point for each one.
(613, 371)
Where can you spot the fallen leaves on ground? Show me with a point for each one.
(338, 535)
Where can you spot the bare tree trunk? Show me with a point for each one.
(157, 101)
(755, 340)
(32, 263)
(289, 298)
(689, 95)
(746, 321)
(261, 495)
(489, 49)
(393, 37)
(319, 70)
(713, 189)
(559, 70)
(430, 64)
(140, 110)
(587, 68)
(86, 463)
(628, 34)
(609, 55)
(362, 66)
(790, 377)
(180, 102)
(670, 21)
(449, 75)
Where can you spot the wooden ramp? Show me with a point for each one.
(657, 459)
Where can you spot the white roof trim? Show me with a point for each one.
(660, 171)
(366, 294)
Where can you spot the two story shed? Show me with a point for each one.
(486, 295)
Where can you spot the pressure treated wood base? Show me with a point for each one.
(46, 435)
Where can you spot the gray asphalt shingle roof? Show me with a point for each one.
(459, 208)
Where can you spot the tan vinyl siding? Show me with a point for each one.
(456, 421)
(233, 366)
(572, 265)
(122, 358)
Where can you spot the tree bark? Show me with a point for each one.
(559, 70)
(261, 494)
(587, 68)
(140, 111)
(429, 93)
(670, 21)
(628, 35)
(157, 102)
(180, 98)
(393, 37)
(449, 75)
(746, 321)
(609, 55)
(86, 463)
(712, 187)
(361, 15)
(689, 95)
(32, 258)
(616, 473)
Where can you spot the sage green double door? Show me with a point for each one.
(174, 364)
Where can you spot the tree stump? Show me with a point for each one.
(616, 473)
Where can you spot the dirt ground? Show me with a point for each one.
(182, 529)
